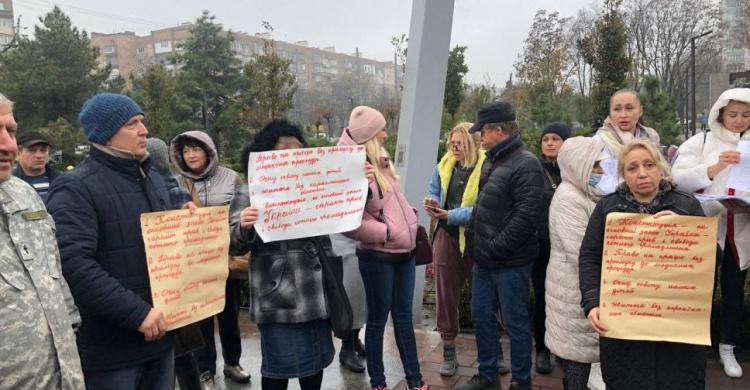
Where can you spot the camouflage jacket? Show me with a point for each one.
(37, 313)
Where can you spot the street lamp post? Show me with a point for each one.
(692, 76)
(351, 101)
(205, 107)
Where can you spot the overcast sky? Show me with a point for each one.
(493, 30)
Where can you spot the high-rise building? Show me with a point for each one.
(6, 23)
(736, 56)
(130, 54)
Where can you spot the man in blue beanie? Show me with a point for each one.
(97, 208)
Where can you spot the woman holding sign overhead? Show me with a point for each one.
(386, 238)
(209, 184)
(703, 165)
(627, 364)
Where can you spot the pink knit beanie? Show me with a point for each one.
(365, 123)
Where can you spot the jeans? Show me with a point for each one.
(229, 332)
(509, 287)
(732, 297)
(389, 288)
(156, 374)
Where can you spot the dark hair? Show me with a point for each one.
(182, 141)
(266, 139)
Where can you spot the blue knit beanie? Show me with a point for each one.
(104, 114)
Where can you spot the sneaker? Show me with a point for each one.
(596, 382)
(236, 373)
(420, 386)
(502, 363)
(519, 386)
(543, 363)
(477, 382)
(382, 386)
(449, 360)
(731, 367)
(207, 381)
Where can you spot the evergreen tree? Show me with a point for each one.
(154, 90)
(270, 83)
(51, 76)
(659, 110)
(611, 63)
(454, 81)
(208, 66)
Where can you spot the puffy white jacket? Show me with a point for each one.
(691, 175)
(569, 334)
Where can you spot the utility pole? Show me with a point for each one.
(692, 65)
(687, 102)
(359, 77)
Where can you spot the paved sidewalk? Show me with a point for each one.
(430, 353)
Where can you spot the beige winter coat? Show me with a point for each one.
(569, 334)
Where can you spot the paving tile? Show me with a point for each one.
(547, 381)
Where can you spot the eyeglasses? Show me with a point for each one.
(456, 146)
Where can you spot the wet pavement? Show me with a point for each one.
(336, 377)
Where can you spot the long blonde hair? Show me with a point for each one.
(375, 152)
(469, 147)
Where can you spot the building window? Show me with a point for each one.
(6, 22)
(141, 49)
(164, 44)
(2, 6)
(110, 49)
(5, 38)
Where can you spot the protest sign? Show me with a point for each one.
(187, 262)
(307, 192)
(657, 277)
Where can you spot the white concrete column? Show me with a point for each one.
(422, 107)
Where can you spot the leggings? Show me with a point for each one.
(576, 374)
(311, 382)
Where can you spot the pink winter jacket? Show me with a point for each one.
(389, 223)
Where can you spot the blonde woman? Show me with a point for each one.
(454, 188)
(386, 239)
(629, 364)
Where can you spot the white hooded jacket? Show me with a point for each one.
(690, 172)
(569, 334)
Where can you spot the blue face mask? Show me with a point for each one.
(594, 179)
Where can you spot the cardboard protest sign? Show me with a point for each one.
(187, 262)
(307, 192)
(657, 277)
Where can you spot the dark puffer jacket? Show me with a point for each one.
(502, 232)
(630, 364)
(551, 176)
(97, 209)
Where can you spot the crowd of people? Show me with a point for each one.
(74, 282)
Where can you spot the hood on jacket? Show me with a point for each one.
(734, 94)
(175, 151)
(346, 139)
(576, 159)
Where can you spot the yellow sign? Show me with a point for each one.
(187, 262)
(657, 277)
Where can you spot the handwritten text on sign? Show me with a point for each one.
(307, 192)
(657, 277)
(187, 262)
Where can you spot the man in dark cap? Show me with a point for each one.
(501, 239)
(33, 166)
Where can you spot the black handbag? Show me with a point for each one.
(423, 250)
(342, 317)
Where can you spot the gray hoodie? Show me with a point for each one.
(216, 185)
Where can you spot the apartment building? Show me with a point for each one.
(6, 23)
(129, 54)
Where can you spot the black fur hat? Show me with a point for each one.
(266, 139)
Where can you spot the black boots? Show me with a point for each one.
(350, 348)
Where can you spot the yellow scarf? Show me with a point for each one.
(471, 192)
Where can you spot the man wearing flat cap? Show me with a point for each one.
(33, 158)
(97, 208)
(501, 239)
